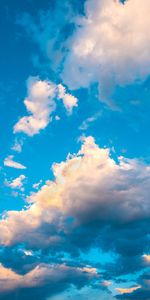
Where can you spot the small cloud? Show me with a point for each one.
(28, 252)
(128, 290)
(69, 101)
(37, 185)
(106, 283)
(16, 183)
(146, 258)
(17, 147)
(57, 118)
(9, 162)
(86, 123)
(40, 104)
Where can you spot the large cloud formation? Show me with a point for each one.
(94, 201)
(110, 46)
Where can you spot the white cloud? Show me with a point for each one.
(41, 103)
(9, 162)
(16, 183)
(111, 46)
(69, 101)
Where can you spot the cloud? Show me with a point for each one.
(141, 293)
(68, 100)
(94, 201)
(17, 147)
(99, 48)
(95, 192)
(16, 183)
(90, 45)
(37, 185)
(146, 258)
(86, 123)
(41, 103)
(9, 162)
(128, 290)
(42, 281)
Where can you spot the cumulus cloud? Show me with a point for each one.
(99, 49)
(94, 201)
(91, 188)
(9, 162)
(95, 48)
(41, 103)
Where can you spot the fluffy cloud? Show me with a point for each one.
(91, 188)
(68, 100)
(94, 201)
(111, 45)
(95, 48)
(16, 183)
(40, 104)
(9, 162)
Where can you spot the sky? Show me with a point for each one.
(75, 150)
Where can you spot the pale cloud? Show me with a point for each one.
(16, 183)
(41, 103)
(9, 162)
(110, 46)
(37, 185)
(106, 283)
(57, 118)
(69, 101)
(86, 123)
(17, 147)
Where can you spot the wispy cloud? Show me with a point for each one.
(86, 123)
(9, 162)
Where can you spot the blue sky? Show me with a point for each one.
(75, 149)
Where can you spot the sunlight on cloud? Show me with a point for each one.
(128, 290)
(99, 47)
(41, 103)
